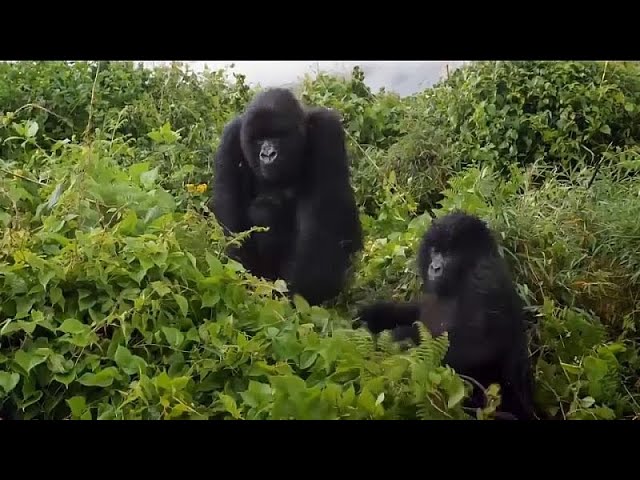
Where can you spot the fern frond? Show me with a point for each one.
(423, 331)
(431, 351)
(423, 411)
(387, 345)
(428, 410)
(364, 343)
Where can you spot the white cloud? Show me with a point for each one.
(405, 77)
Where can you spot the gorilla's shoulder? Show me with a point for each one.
(325, 123)
(323, 116)
(232, 127)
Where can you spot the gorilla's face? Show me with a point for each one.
(444, 269)
(273, 144)
(450, 249)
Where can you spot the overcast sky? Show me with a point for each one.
(404, 78)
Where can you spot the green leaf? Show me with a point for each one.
(55, 293)
(595, 368)
(604, 413)
(587, 402)
(174, 336)
(307, 359)
(456, 392)
(55, 196)
(128, 224)
(45, 276)
(193, 335)
(103, 378)
(164, 134)
(127, 362)
(57, 363)
(230, 405)
(78, 406)
(149, 178)
(138, 275)
(23, 306)
(162, 288)
(280, 286)
(32, 128)
(73, 327)
(138, 169)
(210, 299)
(319, 315)
(257, 395)
(85, 303)
(605, 129)
(569, 368)
(215, 265)
(5, 218)
(16, 284)
(182, 303)
(366, 401)
(65, 378)
(83, 340)
(29, 360)
(23, 325)
(8, 381)
(301, 304)
(348, 397)
(163, 381)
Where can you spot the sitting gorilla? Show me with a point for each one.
(284, 167)
(469, 294)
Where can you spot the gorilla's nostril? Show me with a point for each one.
(268, 155)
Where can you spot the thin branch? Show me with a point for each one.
(366, 155)
(89, 127)
(22, 177)
(44, 109)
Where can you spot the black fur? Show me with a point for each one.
(475, 301)
(304, 196)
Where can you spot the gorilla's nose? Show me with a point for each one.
(268, 156)
(435, 269)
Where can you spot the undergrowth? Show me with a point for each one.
(117, 301)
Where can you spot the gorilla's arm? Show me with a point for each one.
(230, 199)
(327, 217)
(390, 315)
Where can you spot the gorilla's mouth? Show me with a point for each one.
(269, 170)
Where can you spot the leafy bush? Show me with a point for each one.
(117, 306)
(117, 301)
(500, 114)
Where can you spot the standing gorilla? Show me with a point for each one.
(469, 294)
(284, 167)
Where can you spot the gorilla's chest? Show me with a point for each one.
(274, 208)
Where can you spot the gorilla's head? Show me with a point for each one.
(451, 248)
(273, 135)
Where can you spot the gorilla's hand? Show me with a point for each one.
(387, 316)
(376, 317)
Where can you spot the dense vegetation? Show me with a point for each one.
(116, 301)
